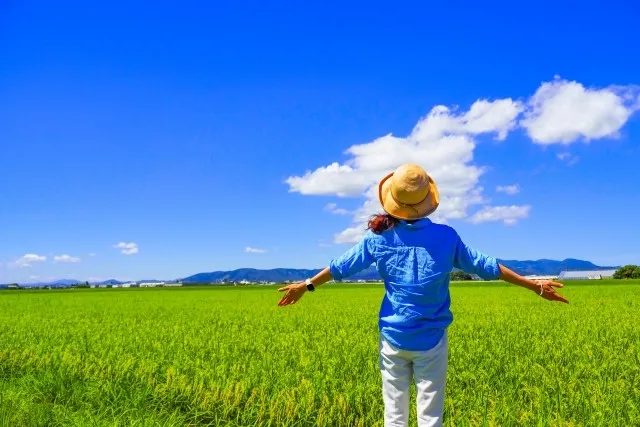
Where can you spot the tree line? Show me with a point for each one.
(627, 272)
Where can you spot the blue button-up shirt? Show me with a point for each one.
(415, 261)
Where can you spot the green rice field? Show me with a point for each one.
(230, 357)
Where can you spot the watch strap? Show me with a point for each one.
(310, 286)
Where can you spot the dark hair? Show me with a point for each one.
(381, 222)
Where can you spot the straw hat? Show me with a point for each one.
(408, 193)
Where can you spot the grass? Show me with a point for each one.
(230, 357)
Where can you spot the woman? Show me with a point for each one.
(414, 256)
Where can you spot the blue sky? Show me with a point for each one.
(158, 142)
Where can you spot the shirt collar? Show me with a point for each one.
(421, 223)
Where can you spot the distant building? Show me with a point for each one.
(151, 284)
(586, 275)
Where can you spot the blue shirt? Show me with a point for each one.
(415, 261)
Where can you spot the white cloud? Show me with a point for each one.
(251, 250)
(27, 260)
(507, 214)
(127, 248)
(34, 277)
(334, 209)
(508, 189)
(92, 254)
(443, 142)
(568, 158)
(350, 235)
(563, 112)
(66, 258)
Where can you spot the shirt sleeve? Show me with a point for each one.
(470, 260)
(353, 261)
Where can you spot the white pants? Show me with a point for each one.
(399, 368)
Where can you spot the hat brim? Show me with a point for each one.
(407, 212)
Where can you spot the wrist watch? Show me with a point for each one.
(310, 286)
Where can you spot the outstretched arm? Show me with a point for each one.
(354, 260)
(473, 261)
(544, 288)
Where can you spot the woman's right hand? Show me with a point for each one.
(546, 290)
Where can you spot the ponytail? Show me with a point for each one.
(381, 222)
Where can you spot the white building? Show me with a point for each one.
(151, 284)
(586, 274)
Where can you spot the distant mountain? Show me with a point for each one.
(279, 275)
(64, 282)
(109, 282)
(252, 275)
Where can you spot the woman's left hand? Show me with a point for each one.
(294, 293)
(548, 292)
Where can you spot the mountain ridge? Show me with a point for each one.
(540, 267)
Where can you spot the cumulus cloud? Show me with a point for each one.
(443, 142)
(509, 215)
(27, 260)
(251, 250)
(127, 248)
(508, 189)
(66, 258)
(563, 112)
(334, 209)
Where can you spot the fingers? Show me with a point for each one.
(560, 298)
(289, 298)
(552, 295)
(556, 284)
(284, 301)
(286, 288)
